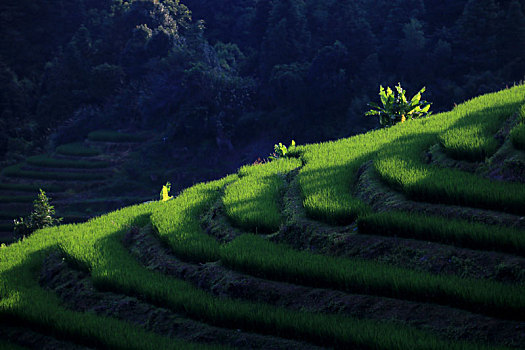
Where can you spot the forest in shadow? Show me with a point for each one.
(225, 73)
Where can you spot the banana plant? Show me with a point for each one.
(396, 107)
(280, 151)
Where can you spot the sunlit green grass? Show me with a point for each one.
(449, 186)
(250, 199)
(176, 224)
(96, 246)
(22, 298)
(469, 142)
(46, 161)
(177, 221)
(255, 255)
(472, 138)
(398, 152)
(77, 149)
(253, 202)
(438, 229)
(113, 136)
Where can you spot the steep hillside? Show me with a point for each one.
(409, 237)
(84, 180)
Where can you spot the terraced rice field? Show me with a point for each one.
(396, 239)
(66, 175)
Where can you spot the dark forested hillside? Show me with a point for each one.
(231, 71)
(328, 57)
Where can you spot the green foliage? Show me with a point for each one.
(450, 186)
(113, 268)
(457, 232)
(396, 108)
(253, 201)
(77, 149)
(331, 169)
(472, 138)
(472, 142)
(280, 262)
(165, 192)
(42, 216)
(281, 151)
(327, 181)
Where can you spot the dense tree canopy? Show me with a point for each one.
(241, 67)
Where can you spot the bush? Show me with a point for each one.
(397, 108)
(281, 151)
(42, 216)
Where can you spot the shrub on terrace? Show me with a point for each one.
(41, 216)
(396, 107)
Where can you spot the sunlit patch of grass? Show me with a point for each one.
(472, 137)
(280, 262)
(469, 143)
(450, 186)
(438, 229)
(176, 224)
(331, 168)
(253, 201)
(96, 247)
(327, 182)
(22, 298)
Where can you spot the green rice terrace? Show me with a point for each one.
(407, 237)
(73, 175)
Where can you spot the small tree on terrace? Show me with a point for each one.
(42, 216)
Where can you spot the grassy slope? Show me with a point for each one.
(326, 181)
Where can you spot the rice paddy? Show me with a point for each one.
(46, 161)
(77, 149)
(113, 136)
(252, 202)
